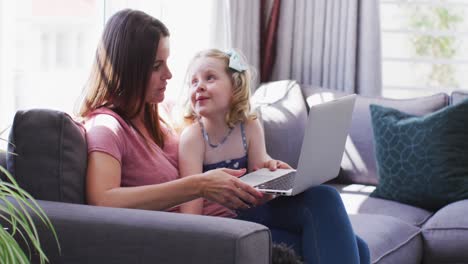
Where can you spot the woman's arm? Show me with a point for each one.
(191, 153)
(221, 185)
(103, 187)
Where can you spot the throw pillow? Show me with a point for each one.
(283, 112)
(422, 160)
(51, 155)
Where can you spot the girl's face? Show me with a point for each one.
(210, 87)
(160, 74)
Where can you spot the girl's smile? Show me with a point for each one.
(201, 98)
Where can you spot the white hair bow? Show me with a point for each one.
(235, 61)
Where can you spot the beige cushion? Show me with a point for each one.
(283, 112)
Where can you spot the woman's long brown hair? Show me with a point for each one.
(122, 69)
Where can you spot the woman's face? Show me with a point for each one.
(211, 88)
(160, 74)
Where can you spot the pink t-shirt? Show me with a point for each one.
(107, 132)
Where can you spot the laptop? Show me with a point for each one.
(321, 152)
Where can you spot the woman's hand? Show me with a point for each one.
(223, 186)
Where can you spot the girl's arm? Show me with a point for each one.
(191, 153)
(258, 156)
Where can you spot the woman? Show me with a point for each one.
(132, 160)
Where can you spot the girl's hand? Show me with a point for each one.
(275, 164)
(223, 186)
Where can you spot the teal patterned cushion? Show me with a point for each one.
(422, 160)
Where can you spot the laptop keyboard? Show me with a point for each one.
(281, 183)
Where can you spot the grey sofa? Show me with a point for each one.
(396, 233)
(51, 165)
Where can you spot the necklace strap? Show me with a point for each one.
(207, 139)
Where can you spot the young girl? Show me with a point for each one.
(223, 133)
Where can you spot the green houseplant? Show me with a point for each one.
(16, 210)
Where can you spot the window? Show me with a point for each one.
(38, 47)
(424, 47)
(47, 47)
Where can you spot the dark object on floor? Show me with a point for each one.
(283, 254)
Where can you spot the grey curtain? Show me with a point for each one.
(244, 30)
(330, 43)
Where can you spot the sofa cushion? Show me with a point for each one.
(358, 164)
(445, 235)
(357, 201)
(282, 110)
(3, 164)
(422, 160)
(51, 155)
(390, 240)
(314, 95)
(458, 96)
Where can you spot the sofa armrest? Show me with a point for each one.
(92, 234)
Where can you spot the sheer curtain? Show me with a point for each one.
(243, 28)
(330, 43)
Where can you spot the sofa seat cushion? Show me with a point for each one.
(358, 164)
(390, 240)
(357, 201)
(445, 235)
(282, 110)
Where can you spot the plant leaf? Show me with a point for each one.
(21, 222)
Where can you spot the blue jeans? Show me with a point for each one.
(314, 223)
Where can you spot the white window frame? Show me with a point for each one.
(386, 88)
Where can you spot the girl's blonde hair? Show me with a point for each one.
(240, 109)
